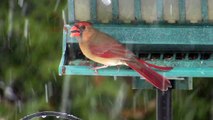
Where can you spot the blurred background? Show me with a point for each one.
(30, 52)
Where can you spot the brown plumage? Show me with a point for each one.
(104, 49)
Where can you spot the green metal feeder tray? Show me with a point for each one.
(186, 47)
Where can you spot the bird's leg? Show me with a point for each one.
(118, 67)
(99, 67)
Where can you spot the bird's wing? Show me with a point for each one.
(105, 46)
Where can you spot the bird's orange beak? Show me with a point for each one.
(75, 32)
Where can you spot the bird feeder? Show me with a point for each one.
(175, 33)
(183, 44)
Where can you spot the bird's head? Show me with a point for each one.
(78, 28)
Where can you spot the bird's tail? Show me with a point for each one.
(150, 75)
(163, 68)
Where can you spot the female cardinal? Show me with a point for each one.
(104, 49)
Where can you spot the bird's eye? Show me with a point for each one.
(82, 27)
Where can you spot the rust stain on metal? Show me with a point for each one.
(63, 70)
(65, 28)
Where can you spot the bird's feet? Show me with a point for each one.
(118, 68)
(98, 67)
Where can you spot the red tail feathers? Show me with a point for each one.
(163, 68)
(150, 75)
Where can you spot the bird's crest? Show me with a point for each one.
(83, 23)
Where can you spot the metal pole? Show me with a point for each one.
(164, 104)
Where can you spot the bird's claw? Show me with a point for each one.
(98, 67)
(95, 70)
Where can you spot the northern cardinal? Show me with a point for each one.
(104, 49)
